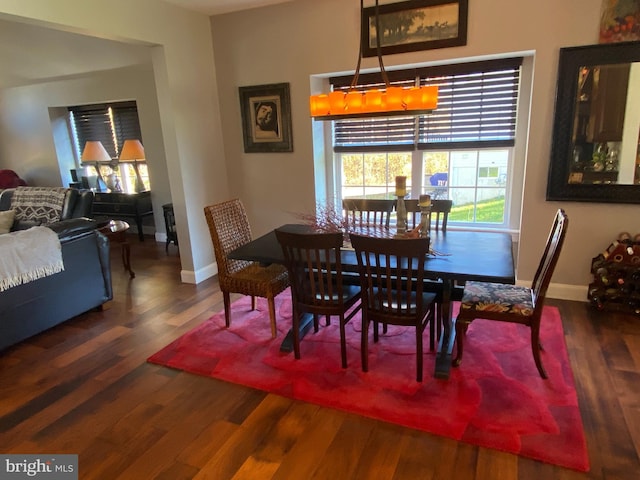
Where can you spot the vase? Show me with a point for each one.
(111, 181)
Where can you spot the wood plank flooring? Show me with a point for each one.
(84, 387)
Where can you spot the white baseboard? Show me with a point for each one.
(189, 276)
(564, 292)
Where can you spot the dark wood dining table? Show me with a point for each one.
(459, 256)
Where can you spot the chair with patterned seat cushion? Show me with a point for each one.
(229, 229)
(513, 303)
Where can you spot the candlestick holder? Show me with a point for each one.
(425, 215)
(425, 220)
(401, 216)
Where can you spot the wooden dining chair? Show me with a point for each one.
(392, 289)
(315, 272)
(368, 211)
(513, 303)
(440, 210)
(414, 215)
(229, 228)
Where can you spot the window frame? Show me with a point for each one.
(514, 184)
(111, 124)
(417, 187)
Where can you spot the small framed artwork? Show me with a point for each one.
(414, 25)
(619, 21)
(266, 118)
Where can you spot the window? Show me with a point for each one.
(373, 174)
(111, 124)
(474, 179)
(462, 151)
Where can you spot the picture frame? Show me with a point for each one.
(415, 25)
(619, 21)
(266, 118)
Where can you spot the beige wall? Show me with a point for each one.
(41, 155)
(292, 41)
(185, 81)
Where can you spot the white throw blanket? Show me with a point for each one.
(28, 255)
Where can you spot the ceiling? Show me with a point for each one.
(216, 7)
(32, 54)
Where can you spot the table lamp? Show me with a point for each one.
(132, 151)
(94, 153)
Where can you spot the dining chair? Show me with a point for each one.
(368, 211)
(440, 210)
(392, 289)
(315, 272)
(412, 206)
(229, 228)
(514, 303)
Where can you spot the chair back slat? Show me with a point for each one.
(440, 210)
(549, 259)
(391, 277)
(371, 211)
(315, 270)
(412, 206)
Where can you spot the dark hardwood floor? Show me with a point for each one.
(84, 387)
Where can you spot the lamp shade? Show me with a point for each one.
(94, 151)
(132, 150)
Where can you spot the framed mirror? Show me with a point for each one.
(595, 153)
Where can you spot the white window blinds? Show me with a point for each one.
(477, 106)
(110, 124)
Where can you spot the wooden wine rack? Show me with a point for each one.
(616, 278)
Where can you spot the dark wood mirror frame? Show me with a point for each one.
(570, 61)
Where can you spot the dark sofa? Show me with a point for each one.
(84, 284)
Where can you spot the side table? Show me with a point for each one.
(116, 230)
(136, 206)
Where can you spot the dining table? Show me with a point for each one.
(456, 256)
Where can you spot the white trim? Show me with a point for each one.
(568, 292)
(563, 291)
(189, 276)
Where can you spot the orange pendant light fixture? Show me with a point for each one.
(375, 102)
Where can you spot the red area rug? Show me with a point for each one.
(496, 399)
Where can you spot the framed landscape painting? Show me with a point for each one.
(266, 118)
(415, 25)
